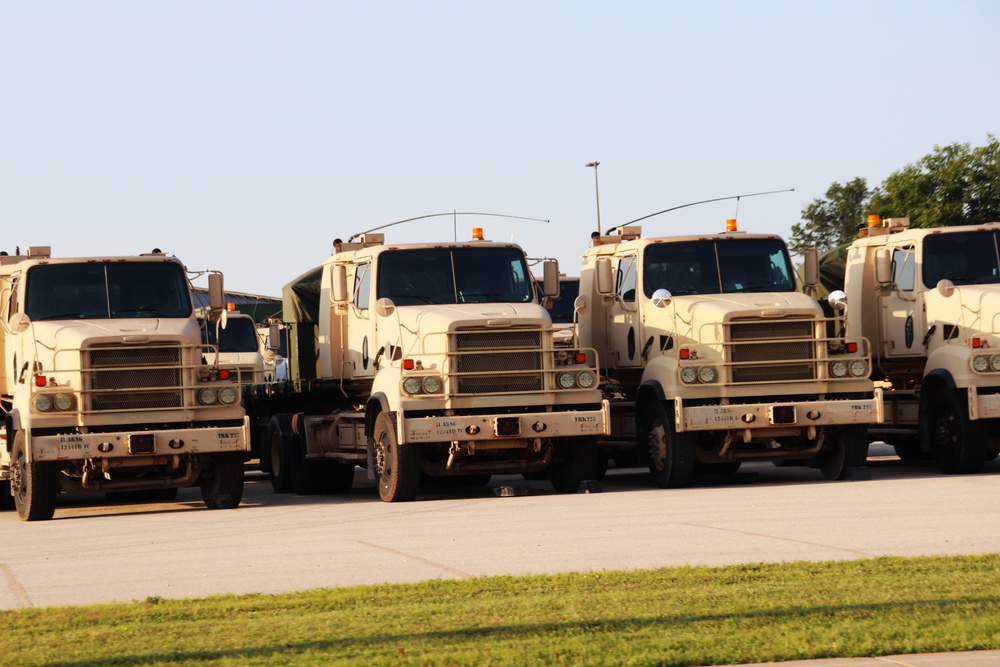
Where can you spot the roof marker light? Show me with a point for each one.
(477, 233)
(874, 221)
(731, 225)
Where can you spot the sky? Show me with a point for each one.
(244, 136)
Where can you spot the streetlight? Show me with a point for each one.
(597, 193)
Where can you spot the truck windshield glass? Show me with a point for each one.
(454, 275)
(93, 290)
(965, 258)
(717, 267)
(562, 308)
(240, 335)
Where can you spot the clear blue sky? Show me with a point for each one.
(245, 136)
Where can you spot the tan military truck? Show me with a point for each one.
(425, 362)
(929, 299)
(713, 358)
(105, 385)
(241, 349)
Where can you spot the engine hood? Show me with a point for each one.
(464, 315)
(723, 307)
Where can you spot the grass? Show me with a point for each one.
(672, 616)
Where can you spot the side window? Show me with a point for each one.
(902, 269)
(625, 281)
(362, 286)
(13, 306)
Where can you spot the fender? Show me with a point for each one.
(942, 375)
(376, 403)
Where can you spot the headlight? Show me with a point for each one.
(995, 362)
(981, 363)
(838, 369)
(227, 395)
(689, 374)
(207, 396)
(706, 374)
(585, 379)
(42, 402)
(411, 385)
(566, 380)
(859, 368)
(64, 402)
(431, 384)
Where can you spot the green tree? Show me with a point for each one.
(954, 185)
(829, 222)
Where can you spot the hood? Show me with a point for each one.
(76, 334)
(973, 306)
(723, 307)
(432, 318)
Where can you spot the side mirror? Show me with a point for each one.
(339, 286)
(582, 304)
(883, 266)
(216, 296)
(810, 267)
(273, 337)
(838, 300)
(385, 307)
(550, 278)
(662, 298)
(20, 322)
(605, 279)
(945, 287)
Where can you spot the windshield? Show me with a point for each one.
(562, 308)
(97, 290)
(240, 335)
(964, 258)
(454, 275)
(718, 267)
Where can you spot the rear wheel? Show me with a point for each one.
(670, 454)
(574, 460)
(397, 467)
(278, 431)
(224, 489)
(306, 475)
(957, 443)
(34, 484)
(850, 450)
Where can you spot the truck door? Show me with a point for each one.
(361, 331)
(902, 327)
(623, 315)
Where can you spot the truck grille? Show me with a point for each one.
(134, 378)
(773, 350)
(499, 361)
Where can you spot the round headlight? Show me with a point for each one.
(585, 380)
(838, 369)
(689, 374)
(432, 384)
(227, 395)
(411, 385)
(981, 363)
(207, 396)
(995, 362)
(566, 380)
(64, 402)
(859, 368)
(42, 402)
(706, 374)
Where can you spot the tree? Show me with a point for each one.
(834, 220)
(954, 185)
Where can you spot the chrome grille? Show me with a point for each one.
(134, 378)
(499, 361)
(773, 350)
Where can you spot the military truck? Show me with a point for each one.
(105, 385)
(241, 350)
(930, 301)
(714, 359)
(425, 362)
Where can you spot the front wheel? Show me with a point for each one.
(574, 460)
(957, 443)
(670, 454)
(849, 450)
(34, 484)
(397, 467)
(224, 490)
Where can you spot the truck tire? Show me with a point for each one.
(224, 489)
(573, 461)
(306, 475)
(34, 484)
(397, 468)
(957, 443)
(849, 450)
(278, 431)
(670, 454)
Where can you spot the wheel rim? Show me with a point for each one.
(17, 479)
(381, 454)
(658, 445)
(945, 436)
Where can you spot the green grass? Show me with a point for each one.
(672, 616)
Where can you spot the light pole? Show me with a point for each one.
(597, 193)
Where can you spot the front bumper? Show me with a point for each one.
(485, 428)
(754, 416)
